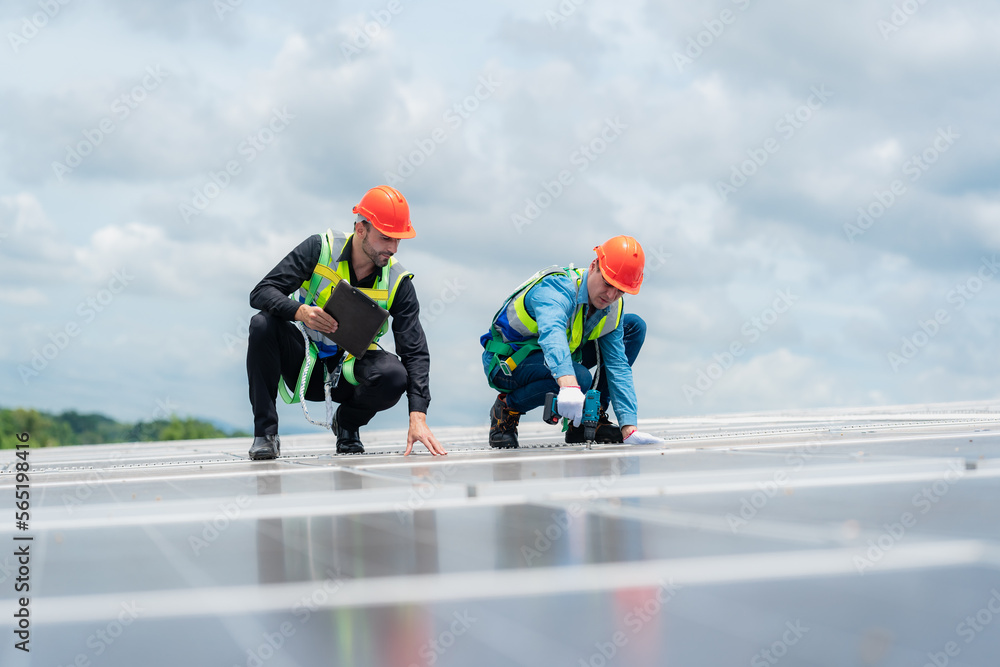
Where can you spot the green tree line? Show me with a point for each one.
(73, 428)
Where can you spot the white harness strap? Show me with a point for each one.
(329, 380)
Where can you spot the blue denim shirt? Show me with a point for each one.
(551, 303)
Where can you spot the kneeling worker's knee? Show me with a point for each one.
(635, 328)
(260, 325)
(394, 379)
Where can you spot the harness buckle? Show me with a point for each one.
(507, 366)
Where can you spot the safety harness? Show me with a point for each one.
(329, 271)
(514, 333)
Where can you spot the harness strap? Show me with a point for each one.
(309, 359)
(506, 357)
(305, 373)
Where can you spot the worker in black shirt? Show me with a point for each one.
(277, 350)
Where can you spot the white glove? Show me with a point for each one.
(570, 404)
(640, 438)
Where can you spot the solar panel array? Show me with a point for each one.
(829, 537)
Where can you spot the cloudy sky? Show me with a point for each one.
(815, 185)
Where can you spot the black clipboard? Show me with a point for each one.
(358, 317)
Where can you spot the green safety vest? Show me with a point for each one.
(316, 291)
(508, 351)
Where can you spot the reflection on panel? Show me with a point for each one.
(809, 539)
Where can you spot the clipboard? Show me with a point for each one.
(358, 317)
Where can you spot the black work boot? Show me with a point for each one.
(265, 447)
(503, 424)
(348, 441)
(607, 432)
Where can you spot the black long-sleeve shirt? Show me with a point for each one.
(271, 295)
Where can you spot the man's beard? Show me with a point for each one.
(377, 259)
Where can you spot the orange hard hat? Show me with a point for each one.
(386, 208)
(621, 261)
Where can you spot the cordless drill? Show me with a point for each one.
(591, 412)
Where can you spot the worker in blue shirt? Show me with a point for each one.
(555, 327)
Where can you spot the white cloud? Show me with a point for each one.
(713, 264)
(23, 214)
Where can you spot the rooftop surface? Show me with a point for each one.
(833, 537)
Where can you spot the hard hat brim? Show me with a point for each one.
(617, 283)
(622, 286)
(408, 234)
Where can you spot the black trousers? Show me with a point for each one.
(276, 349)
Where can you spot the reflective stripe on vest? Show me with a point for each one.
(515, 326)
(383, 292)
